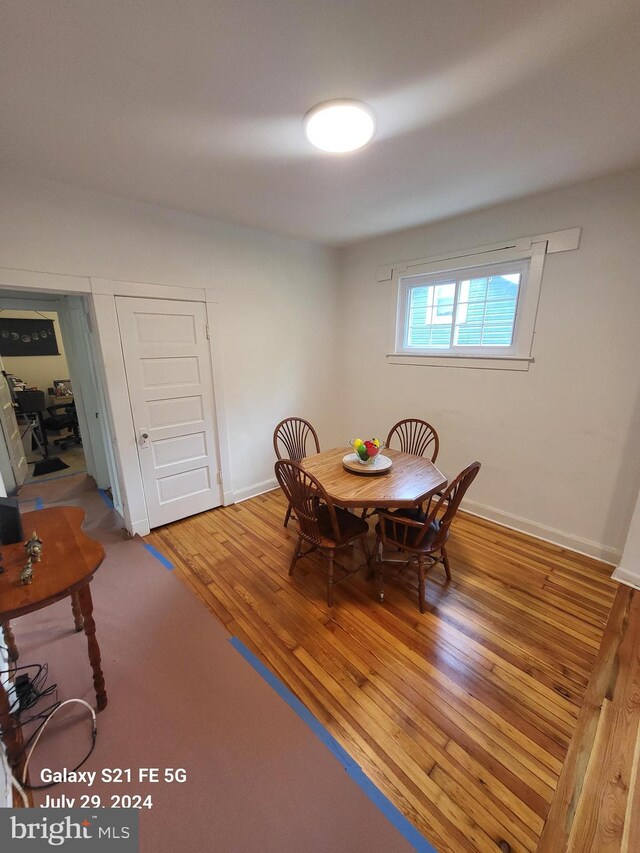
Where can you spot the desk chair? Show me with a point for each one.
(64, 416)
(31, 406)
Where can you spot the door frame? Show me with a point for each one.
(100, 294)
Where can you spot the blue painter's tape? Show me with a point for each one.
(105, 497)
(395, 817)
(159, 557)
(39, 503)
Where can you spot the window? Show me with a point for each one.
(470, 311)
(474, 308)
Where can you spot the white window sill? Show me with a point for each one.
(483, 362)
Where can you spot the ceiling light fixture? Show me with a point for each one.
(339, 126)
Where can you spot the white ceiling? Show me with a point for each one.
(197, 105)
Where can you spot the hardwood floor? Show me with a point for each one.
(462, 716)
(596, 808)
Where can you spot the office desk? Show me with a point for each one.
(69, 561)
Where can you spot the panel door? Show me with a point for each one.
(168, 367)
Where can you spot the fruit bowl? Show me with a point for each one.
(366, 451)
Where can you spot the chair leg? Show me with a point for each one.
(374, 567)
(372, 558)
(330, 580)
(296, 555)
(421, 584)
(365, 546)
(287, 517)
(380, 573)
(445, 563)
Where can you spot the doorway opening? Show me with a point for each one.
(53, 414)
(34, 362)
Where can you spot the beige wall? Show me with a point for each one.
(37, 371)
(278, 297)
(305, 330)
(560, 444)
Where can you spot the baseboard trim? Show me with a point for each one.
(256, 489)
(626, 576)
(505, 519)
(542, 531)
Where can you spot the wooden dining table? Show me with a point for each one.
(69, 561)
(410, 481)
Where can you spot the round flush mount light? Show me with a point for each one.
(339, 126)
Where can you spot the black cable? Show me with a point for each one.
(94, 734)
(42, 715)
(28, 694)
(36, 692)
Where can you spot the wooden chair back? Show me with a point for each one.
(416, 437)
(290, 439)
(306, 494)
(450, 501)
(409, 534)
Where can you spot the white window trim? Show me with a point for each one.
(519, 356)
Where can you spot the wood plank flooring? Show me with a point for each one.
(462, 716)
(596, 808)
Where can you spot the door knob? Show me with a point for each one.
(144, 439)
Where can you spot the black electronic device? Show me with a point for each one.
(10, 522)
(30, 401)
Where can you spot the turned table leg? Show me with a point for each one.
(77, 611)
(10, 642)
(86, 608)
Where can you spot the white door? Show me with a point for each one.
(168, 367)
(11, 432)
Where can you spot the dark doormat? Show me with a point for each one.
(48, 466)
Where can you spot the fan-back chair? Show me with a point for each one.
(290, 440)
(321, 525)
(424, 536)
(416, 437)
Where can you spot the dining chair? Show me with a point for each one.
(423, 535)
(290, 439)
(415, 436)
(321, 525)
(418, 438)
